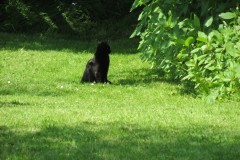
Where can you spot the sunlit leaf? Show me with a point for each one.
(228, 15)
(190, 63)
(188, 41)
(209, 22)
(202, 37)
(195, 50)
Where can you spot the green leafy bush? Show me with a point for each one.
(214, 66)
(193, 41)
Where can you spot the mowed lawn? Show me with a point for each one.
(46, 113)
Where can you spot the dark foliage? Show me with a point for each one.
(97, 68)
(60, 16)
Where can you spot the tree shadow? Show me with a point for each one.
(146, 76)
(143, 76)
(63, 43)
(12, 103)
(117, 141)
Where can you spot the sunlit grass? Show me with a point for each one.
(45, 113)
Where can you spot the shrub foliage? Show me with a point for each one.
(194, 41)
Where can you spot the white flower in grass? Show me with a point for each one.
(60, 86)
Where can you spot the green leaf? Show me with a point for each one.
(137, 31)
(196, 22)
(238, 71)
(211, 68)
(135, 5)
(209, 22)
(197, 85)
(180, 41)
(231, 50)
(202, 37)
(190, 63)
(228, 15)
(209, 65)
(204, 48)
(140, 16)
(195, 50)
(157, 9)
(218, 35)
(226, 79)
(189, 76)
(188, 41)
(169, 21)
(202, 57)
(138, 3)
(182, 54)
(219, 50)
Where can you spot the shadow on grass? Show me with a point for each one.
(142, 76)
(147, 76)
(58, 43)
(117, 141)
(12, 103)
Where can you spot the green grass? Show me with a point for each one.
(45, 113)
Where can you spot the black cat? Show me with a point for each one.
(97, 68)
